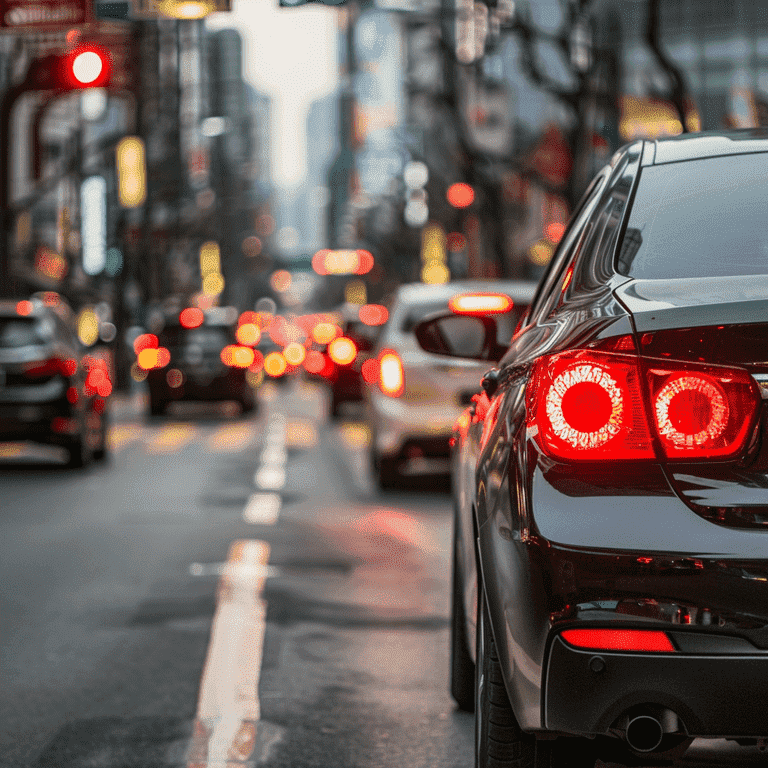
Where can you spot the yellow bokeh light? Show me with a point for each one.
(210, 258)
(248, 334)
(295, 353)
(88, 327)
(147, 359)
(435, 273)
(324, 333)
(213, 284)
(275, 364)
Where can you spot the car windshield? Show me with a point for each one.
(703, 218)
(18, 332)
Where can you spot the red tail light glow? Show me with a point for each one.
(646, 641)
(589, 405)
(191, 317)
(145, 341)
(391, 374)
(51, 367)
(370, 370)
(24, 308)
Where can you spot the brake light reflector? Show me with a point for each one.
(642, 640)
(391, 374)
(480, 304)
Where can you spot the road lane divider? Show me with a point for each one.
(262, 508)
(226, 730)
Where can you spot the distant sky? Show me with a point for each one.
(290, 54)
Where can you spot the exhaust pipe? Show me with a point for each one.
(644, 733)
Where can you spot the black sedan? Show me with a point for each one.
(610, 593)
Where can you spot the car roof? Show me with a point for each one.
(695, 146)
(520, 291)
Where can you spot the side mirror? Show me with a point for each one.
(466, 336)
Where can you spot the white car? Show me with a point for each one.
(416, 398)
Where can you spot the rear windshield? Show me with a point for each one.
(701, 218)
(208, 338)
(18, 332)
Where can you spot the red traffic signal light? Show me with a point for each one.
(87, 66)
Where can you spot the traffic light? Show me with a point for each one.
(87, 66)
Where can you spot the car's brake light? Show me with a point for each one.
(52, 366)
(391, 374)
(702, 411)
(480, 304)
(191, 317)
(643, 640)
(588, 405)
(370, 370)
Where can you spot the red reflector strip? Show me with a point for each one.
(643, 640)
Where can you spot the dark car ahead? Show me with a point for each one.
(51, 392)
(199, 359)
(611, 538)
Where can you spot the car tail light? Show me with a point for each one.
(643, 640)
(275, 365)
(590, 405)
(702, 411)
(52, 366)
(391, 374)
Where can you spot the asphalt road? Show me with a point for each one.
(229, 591)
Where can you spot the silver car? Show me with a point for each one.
(416, 398)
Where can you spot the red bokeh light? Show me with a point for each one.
(191, 317)
(460, 195)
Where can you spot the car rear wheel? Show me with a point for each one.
(385, 471)
(79, 453)
(499, 740)
(101, 452)
(156, 408)
(462, 666)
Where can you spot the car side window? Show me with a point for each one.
(572, 239)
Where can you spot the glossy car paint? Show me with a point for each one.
(658, 544)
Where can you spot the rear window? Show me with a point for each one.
(209, 339)
(16, 332)
(700, 218)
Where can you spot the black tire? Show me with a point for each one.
(499, 740)
(79, 455)
(385, 471)
(102, 452)
(462, 666)
(333, 408)
(156, 408)
(247, 406)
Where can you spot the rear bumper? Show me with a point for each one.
(226, 387)
(713, 695)
(398, 424)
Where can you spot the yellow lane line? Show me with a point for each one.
(231, 438)
(171, 438)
